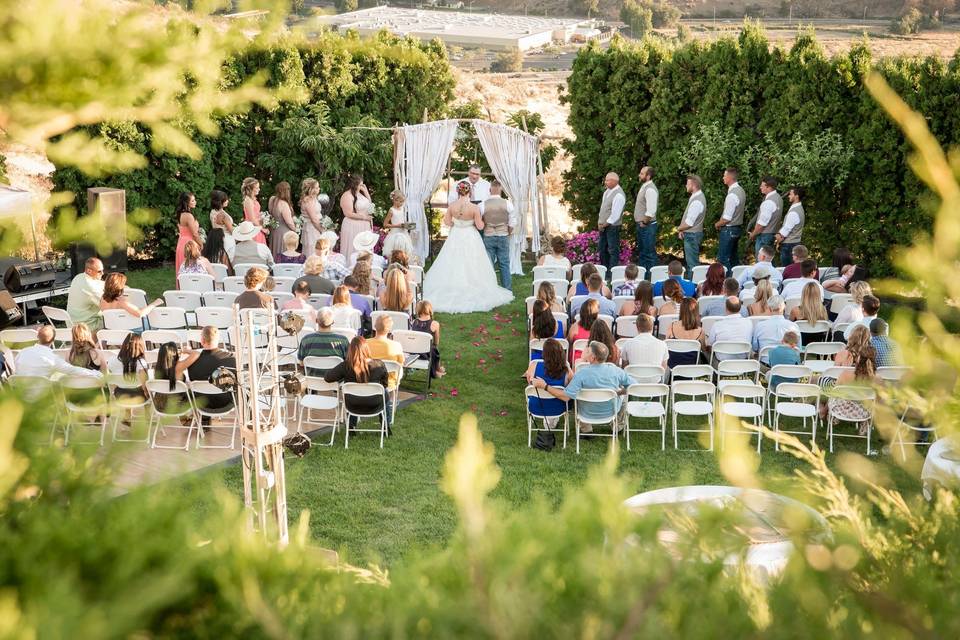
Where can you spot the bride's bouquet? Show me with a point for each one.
(268, 221)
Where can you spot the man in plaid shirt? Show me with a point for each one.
(888, 352)
(629, 286)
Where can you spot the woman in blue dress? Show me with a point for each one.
(544, 325)
(555, 371)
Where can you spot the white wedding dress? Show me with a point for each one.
(461, 279)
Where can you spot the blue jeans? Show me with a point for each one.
(786, 253)
(609, 246)
(760, 240)
(647, 245)
(691, 250)
(727, 246)
(498, 250)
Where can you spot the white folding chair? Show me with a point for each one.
(319, 395)
(560, 284)
(684, 346)
(645, 373)
(839, 301)
(221, 272)
(692, 372)
(86, 404)
(813, 332)
(578, 345)
(620, 273)
(363, 390)
(284, 284)
(396, 370)
(626, 326)
(171, 404)
(822, 350)
(747, 406)
(288, 271)
(219, 317)
(401, 321)
(731, 349)
(218, 298)
(534, 398)
(794, 373)
(905, 427)
(62, 336)
(664, 322)
(866, 397)
(606, 399)
(186, 300)
(198, 282)
(549, 273)
(18, 338)
(136, 297)
(708, 322)
(234, 284)
(738, 270)
(55, 315)
(319, 301)
(652, 405)
(700, 273)
(893, 374)
(839, 329)
(128, 404)
(416, 343)
(281, 298)
(240, 270)
(623, 301)
(796, 401)
(659, 273)
(107, 338)
(120, 319)
(575, 271)
(168, 318)
(200, 393)
(737, 371)
(692, 408)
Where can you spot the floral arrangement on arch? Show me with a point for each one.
(585, 247)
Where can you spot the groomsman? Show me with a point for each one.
(608, 221)
(645, 215)
(730, 224)
(691, 225)
(767, 220)
(790, 234)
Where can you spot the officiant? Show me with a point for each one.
(479, 187)
(499, 221)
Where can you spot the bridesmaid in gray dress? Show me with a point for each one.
(280, 207)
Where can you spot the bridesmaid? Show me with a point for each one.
(355, 204)
(312, 215)
(251, 207)
(187, 225)
(280, 207)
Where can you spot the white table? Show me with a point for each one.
(769, 549)
(937, 470)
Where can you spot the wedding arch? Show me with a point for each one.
(422, 153)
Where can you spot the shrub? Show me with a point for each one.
(507, 61)
(585, 247)
(639, 18)
(910, 22)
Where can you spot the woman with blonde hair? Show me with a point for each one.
(280, 206)
(857, 344)
(251, 207)
(193, 262)
(83, 350)
(761, 300)
(811, 307)
(396, 295)
(344, 315)
(290, 255)
(311, 212)
(853, 312)
(548, 294)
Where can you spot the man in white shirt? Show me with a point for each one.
(645, 215)
(765, 259)
(791, 233)
(644, 348)
(608, 221)
(769, 332)
(86, 289)
(479, 187)
(40, 360)
(691, 224)
(730, 224)
(767, 220)
(731, 328)
(794, 288)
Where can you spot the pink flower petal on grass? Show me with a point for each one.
(502, 412)
(454, 392)
(456, 356)
(481, 361)
(476, 344)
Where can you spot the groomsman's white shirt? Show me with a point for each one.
(696, 208)
(616, 207)
(791, 220)
(730, 203)
(767, 207)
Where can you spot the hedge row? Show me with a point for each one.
(660, 104)
(384, 80)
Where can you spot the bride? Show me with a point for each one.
(461, 278)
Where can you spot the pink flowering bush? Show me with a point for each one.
(585, 247)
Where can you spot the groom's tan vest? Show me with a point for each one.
(495, 216)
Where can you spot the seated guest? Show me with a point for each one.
(245, 249)
(675, 273)
(713, 284)
(344, 315)
(269, 284)
(398, 260)
(397, 295)
(166, 367)
(857, 342)
(731, 328)
(600, 332)
(40, 360)
(870, 307)
(199, 365)
(687, 326)
(853, 312)
(364, 242)
(252, 296)
(194, 262)
(718, 307)
(888, 351)
(312, 268)
(382, 347)
(301, 295)
(83, 299)
(333, 265)
(811, 307)
(764, 258)
(357, 300)
(290, 255)
(848, 275)
(324, 248)
(580, 329)
(597, 373)
(423, 322)
(798, 254)
(769, 332)
(358, 366)
(548, 294)
(557, 256)
(631, 275)
(553, 370)
(544, 325)
(673, 296)
(642, 301)
(595, 287)
(761, 299)
(864, 372)
(115, 298)
(323, 342)
(362, 279)
(83, 350)
(841, 258)
(787, 352)
(794, 288)
(131, 363)
(644, 348)
(581, 288)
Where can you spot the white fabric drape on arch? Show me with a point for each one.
(420, 157)
(512, 155)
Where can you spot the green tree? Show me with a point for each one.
(638, 17)
(507, 61)
(346, 6)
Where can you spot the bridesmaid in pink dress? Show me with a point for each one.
(355, 204)
(187, 226)
(251, 207)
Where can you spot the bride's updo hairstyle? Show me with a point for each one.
(463, 188)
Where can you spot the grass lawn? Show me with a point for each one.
(376, 505)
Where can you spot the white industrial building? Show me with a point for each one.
(459, 28)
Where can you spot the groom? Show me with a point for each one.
(499, 220)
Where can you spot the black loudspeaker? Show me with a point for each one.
(30, 276)
(9, 311)
(112, 207)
